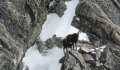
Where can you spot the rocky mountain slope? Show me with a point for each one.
(21, 22)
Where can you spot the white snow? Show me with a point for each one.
(50, 26)
(78, 48)
(66, 19)
(59, 26)
(101, 49)
(83, 36)
(72, 30)
(36, 61)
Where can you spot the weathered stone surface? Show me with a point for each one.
(88, 58)
(85, 46)
(95, 21)
(41, 45)
(78, 57)
(9, 53)
(87, 67)
(57, 6)
(77, 67)
(54, 41)
(69, 62)
(110, 57)
(49, 44)
(100, 20)
(111, 9)
(20, 24)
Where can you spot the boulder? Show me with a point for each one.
(57, 6)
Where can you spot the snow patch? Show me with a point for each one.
(83, 36)
(66, 19)
(36, 61)
(78, 48)
(50, 26)
(59, 26)
(100, 49)
(72, 30)
(92, 50)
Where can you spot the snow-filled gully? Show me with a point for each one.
(33, 59)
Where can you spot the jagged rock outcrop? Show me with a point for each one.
(49, 44)
(94, 18)
(9, 56)
(20, 25)
(83, 59)
(56, 6)
(100, 20)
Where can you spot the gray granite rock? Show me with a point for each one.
(57, 6)
(20, 25)
(100, 20)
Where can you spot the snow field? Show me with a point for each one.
(36, 61)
